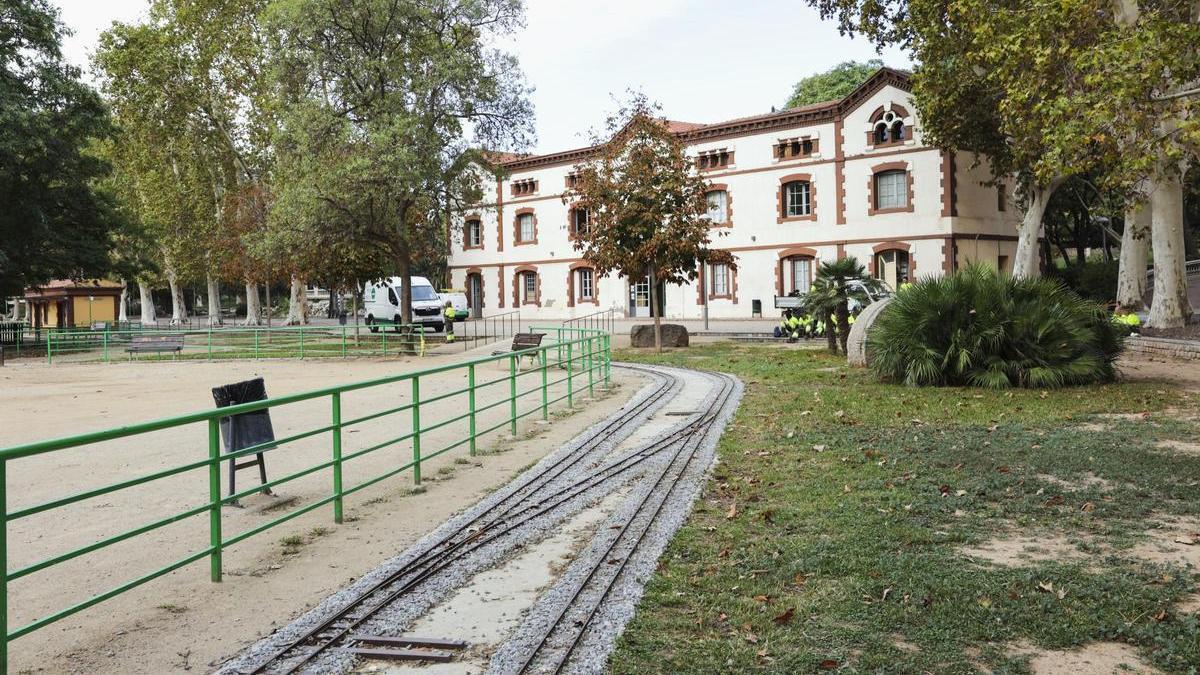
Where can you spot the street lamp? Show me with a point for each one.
(91, 299)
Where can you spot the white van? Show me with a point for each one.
(381, 302)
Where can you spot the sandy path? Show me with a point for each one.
(182, 621)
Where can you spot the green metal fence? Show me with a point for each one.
(559, 371)
(235, 343)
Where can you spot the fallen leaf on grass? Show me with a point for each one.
(752, 638)
(724, 553)
(830, 664)
(819, 448)
(1088, 507)
(765, 599)
(1190, 540)
(785, 618)
(800, 579)
(732, 512)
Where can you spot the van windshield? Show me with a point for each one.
(423, 293)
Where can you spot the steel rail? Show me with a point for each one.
(601, 561)
(517, 496)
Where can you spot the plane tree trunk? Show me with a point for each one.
(1135, 245)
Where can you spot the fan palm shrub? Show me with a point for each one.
(980, 328)
(836, 284)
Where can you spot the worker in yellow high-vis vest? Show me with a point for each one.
(449, 315)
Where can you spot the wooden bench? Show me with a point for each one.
(523, 341)
(146, 344)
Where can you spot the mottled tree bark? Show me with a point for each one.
(1170, 307)
(214, 301)
(253, 306)
(1135, 245)
(149, 316)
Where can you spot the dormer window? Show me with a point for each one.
(887, 128)
(524, 188)
(714, 159)
(795, 148)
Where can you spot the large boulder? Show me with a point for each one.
(673, 335)
(856, 344)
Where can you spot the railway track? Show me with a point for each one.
(534, 497)
(556, 644)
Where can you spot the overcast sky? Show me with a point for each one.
(703, 60)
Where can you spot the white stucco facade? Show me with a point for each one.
(947, 218)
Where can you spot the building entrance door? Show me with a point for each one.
(639, 297)
(475, 295)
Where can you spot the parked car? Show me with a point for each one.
(381, 302)
(462, 309)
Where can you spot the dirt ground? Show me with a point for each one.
(183, 622)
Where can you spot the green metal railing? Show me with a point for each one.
(584, 355)
(237, 343)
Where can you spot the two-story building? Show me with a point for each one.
(788, 189)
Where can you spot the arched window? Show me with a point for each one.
(797, 199)
(718, 206)
(892, 267)
(887, 128)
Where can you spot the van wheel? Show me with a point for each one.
(371, 320)
(438, 327)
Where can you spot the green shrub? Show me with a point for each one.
(1095, 280)
(979, 328)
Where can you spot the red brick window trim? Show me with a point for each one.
(790, 267)
(526, 187)
(582, 280)
(527, 286)
(796, 148)
(888, 127)
(903, 259)
(720, 214)
(796, 194)
(889, 171)
(711, 160)
(571, 181)
(473, 233)
(521, 217)
(471, 300)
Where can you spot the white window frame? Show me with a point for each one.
(801, 282)
(529, 288)
(522, 220)
(575, 220)
(719, 280)
(474, 233)
(802, 204)
(718, 213)
(587, 284)
(891, 189)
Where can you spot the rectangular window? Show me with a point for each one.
(525, 227)
(1001, 201)
(579, 221)
(586, 290)
(473, 234)
(720, 280)
(801, 274)
(891, 190)
(529, 283)
(718, 206)
(798, 200)
(714, 159)
(524, 188)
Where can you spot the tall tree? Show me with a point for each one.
(54, 222)
(832, 84)
(387, 104)
(647, 210)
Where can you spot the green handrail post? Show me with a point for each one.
(4, 568)
(105, 338)
(591, 362)
(256, 355)
(512, 394)
(570, 376)
(210, 343)
(608, 360)
(416, 428)
(471, 405)
(49, 347)
(383, 332)
(301, 341)
(343, 342)
(337, 457)
(214, 496)
(545, 388)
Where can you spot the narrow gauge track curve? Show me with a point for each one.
(552, 652)
(335, 629)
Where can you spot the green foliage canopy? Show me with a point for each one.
(832, 84)
(54, 222)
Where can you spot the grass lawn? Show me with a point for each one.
(831, 535)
